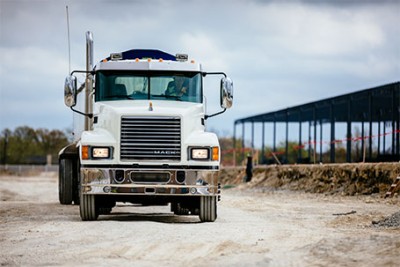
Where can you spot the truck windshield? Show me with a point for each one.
(174, 86)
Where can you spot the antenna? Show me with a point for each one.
(69, 43)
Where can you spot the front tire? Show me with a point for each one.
(88, 208)
(208, 209)
(65, 183)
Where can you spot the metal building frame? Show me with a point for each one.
(375, 106)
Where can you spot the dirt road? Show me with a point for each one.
(274, 228)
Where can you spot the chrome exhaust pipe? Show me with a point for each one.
(89, 51)
(89, 81)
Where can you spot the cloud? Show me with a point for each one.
(205, 47)
(278, 53)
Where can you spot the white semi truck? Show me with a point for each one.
(139, 135)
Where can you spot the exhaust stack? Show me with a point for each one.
(89, 81)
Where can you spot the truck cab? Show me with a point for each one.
(140, 135)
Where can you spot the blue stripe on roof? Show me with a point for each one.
(146, 53)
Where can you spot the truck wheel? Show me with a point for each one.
(208, 209)
(65, 174)
(88, 209)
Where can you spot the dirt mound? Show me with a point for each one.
(344, 179)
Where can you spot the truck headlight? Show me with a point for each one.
(204, 153)
(200, 153)
(100, 152)
(93, 152)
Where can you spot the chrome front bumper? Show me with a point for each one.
(110, 181)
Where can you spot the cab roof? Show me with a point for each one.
(142, 54)
(148, 60)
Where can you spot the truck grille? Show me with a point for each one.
(150, 138)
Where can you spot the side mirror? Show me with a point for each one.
(70, 91)
(226, 93)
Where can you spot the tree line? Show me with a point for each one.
(26, 145)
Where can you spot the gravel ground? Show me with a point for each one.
(392, 221)
(255, 227)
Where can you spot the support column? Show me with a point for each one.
(309, 140)
(348, 135)
(263, 143)
(398, 119)
(287, 137)
(274, 141)
(315, 135)
(299, 156)
(362, 136)
(379, 133)
(384, 137)
(370, 126)
(320, 140)
(252, 136)
(243, 143)
(394, 109)
(332, 144)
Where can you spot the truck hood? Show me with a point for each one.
(107, 126)
(108, 113)
(148, 108)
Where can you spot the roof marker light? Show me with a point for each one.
(160, 60)
(116, 56)
(182, 57)
(149, 60)
(136, 60)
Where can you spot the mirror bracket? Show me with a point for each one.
(90, 115)
(226, 92)
(215, 114)
(214, 73)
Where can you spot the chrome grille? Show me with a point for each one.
(150, 138)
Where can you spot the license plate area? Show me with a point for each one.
(150, 177)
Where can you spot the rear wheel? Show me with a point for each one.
(88, 208)
(178, 210)
(65, 181)
(208, 208)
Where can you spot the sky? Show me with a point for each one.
(278, 53)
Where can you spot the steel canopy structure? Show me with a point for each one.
(378, 107)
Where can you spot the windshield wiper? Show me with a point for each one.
(121, 96)
(169, 96)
